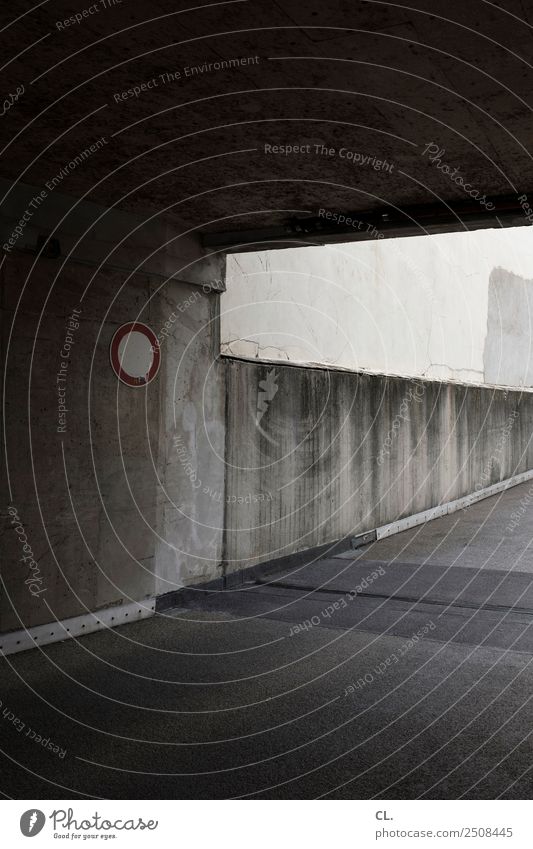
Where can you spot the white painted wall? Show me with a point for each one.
(449, 306)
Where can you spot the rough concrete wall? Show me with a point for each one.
(79, 494)
(414, 306)
(315, 455)
(509, 340)
(106, 511)
(191, 502)
(107, 514)
(90, 232)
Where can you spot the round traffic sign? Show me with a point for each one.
(134, 354)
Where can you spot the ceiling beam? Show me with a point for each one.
(386, 222)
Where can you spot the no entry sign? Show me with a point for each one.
(134, 354)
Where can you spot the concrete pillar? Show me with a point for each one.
(98, 510)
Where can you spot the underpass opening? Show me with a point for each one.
(372, 386)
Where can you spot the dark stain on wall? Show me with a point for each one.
(381, 448)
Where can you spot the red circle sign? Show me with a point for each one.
(134, 354)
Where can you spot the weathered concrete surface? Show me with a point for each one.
(94, 234)
(455, 306)
(108, 516)
(508, 354)
(380, 80)
(98, 472)
(191, 495)
(315, 455)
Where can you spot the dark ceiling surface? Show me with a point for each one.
(367, 79)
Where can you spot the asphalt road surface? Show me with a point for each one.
(401, 670)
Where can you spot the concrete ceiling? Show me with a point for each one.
(380, 79)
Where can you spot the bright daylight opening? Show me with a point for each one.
(454, 307)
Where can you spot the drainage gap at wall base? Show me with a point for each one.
(436, 512)
(343, 548)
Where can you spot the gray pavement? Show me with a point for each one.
(496, 533)
(390, 672)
